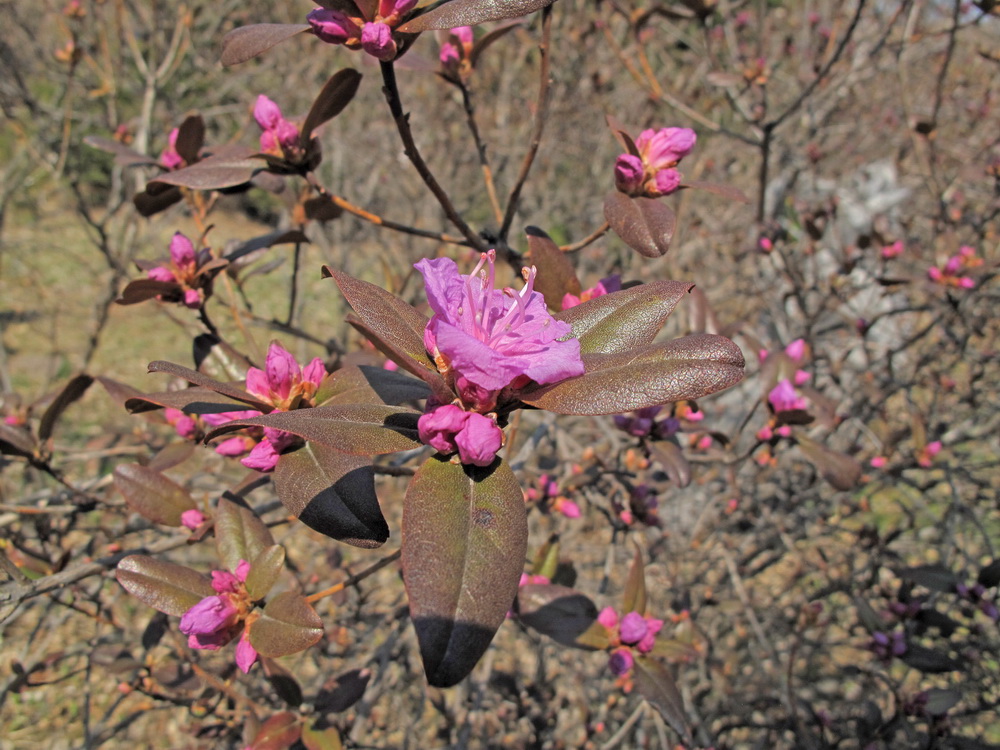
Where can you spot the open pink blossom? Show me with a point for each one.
(492, 338)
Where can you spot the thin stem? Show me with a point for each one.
(541, 110)
(391, 91)
(592, 237)
(294, 292)
(355, 579)
(470, 118)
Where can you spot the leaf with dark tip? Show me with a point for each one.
(332, 493)
(344, 691)
(152, 200)
(246, 42)
(71, 392)
(622, 135)
(419, 368)
(165, 586)
(279, 732)
(190, 138)
(839, 469)
(644, 224)
(556, 277)
(16, 441)
(228, 168)
(933, 577)
(239, 534)
(361, 429)
(264, 571)
(726, 191)
(282, 681)
(465, 536)
(624, 321)
(655, 683)
(685, 368)
(561, 613)
(483, 43)
(226, 389)
(470, 13)
(124, 156)
(669, 456)
(394, 387)
(334, 96)
(634, 599)
(391, 319)
(141, 290)
(196, 400)
(152, 495)
(929, 660)
(265, 241)
(287, 625)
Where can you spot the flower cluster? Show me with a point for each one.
(456, 53)
(604, 286)
(487, 343)
(633, 632)
(278, 136)
(216, 620)
(783, 399)
(952, 272)
(374, 35)
(651, 171)
(549, 497)
(185, 269)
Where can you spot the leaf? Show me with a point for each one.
(15, 441)
(287, 625)
(929, 660)
(283, 682)
(124, 156)
(431, 377)
(839, 469)
(141, 290)
(164, 586)
(190, 138)
(226, 389)
(155, 198)
(465, 536)
(726, 191)
(361, 429)
(672, 460)
(867, 616)
(933, 577)
(196, 400)
(483, 43)
(171, 455)
(635, 588)
(279, 237)
(646, 225)
(394, 387)
(279, 732)
(332, 493)
(316, 738)
(471, 13)
(226, 168)
(392, 320)
(547, 560)
(556, 277)
(655, 683)
(152, 495)
(348, 385)
(335, 95)
(264, 571)
(989, 576)
(246, 42)
(561, 613)
(239, 534)
(346, 690)
(624, 321)
(941, 700)
(686, 368)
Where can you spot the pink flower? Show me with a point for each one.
(796, 350)
(604, 286)
(662, 149)
(283, 382)
(878, 462)
(608, 618)
(278, 137)
(783, 397)
(449, 55)
(371, 30)
(185, 426)
(926, 456)
(490, 338)
(893, 251)
(216, 620)
(620, 662)
(245, 655)
(630, 173)
(651, 173)
(632, 628)
(448, 428)
(192, 519)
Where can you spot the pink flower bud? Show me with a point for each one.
(181, 251)
(333, 26)
(647, 642)
(192, 519)
(160, 273)
(266, 113)
(934, 273)
(449, 55)
(377, 41)
(666, 181)
(233, 447)
(262, 458)
(633, 628)
(878, 462)
(608, 618)
(466, 35)
(954, 263)
(620, 662)
(967, 282)
(663, 148)
(438, 427)
(281, 370)
(629, 173)
(170, 158)
(765, 244)
(192, 298)
(479, 440)
(796, 350)
(208, 617)
(395, 8)
(287, 136)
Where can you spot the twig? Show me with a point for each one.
(355, 579)
(624, 729)
(484, 162)
(592, 237)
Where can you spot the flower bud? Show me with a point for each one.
(377, 41)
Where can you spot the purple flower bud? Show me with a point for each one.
(209, 616)
(287, 136)
(633, 628)
(266, 113)
(377, 41)
(666, 181)
(645, 645)
(438, 427)
(629, 173)
(479, 440)
(181, 251)
(233, 447)
(620, 661)
(333, 26)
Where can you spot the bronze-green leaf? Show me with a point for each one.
(287, 625)
(170, 588)
(655, 683)
(239, 534)
(635, 587)
(246, 42)
(333, 493)
(264, 571)
(470, 13)
(646, 225)
(464, 540)
(152, 495)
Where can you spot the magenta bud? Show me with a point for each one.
(181, 250)
(246, 654)
(160, 273)
(192, 519)
(629, 173)
(633, 628)
(266, 113)
(332, 26)
(192, 298)
(377, 41)
(666, 181)
(620, 661)
(479, 441)
(209, 616)
(262, 458)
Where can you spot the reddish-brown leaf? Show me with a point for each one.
(470, 13)
(165, 586)
(246, 42)
(645, 224)
(556, 277)
(152, 495)
(334, 96)
(287, 625)
(561, 613)
(239, 534)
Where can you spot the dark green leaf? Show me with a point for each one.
(361, 429)
(686, 368)
(264, 571)
(239, 534)
(624, 321)
(464, 540)
(635, 588)
(333, 493)
(335, 95)
(169, 588)
(470, 13)
(556, 277)
(645, 224)
(287, 625)
(655, 683)
(246, 42)
(152, 495)
(561, 613)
